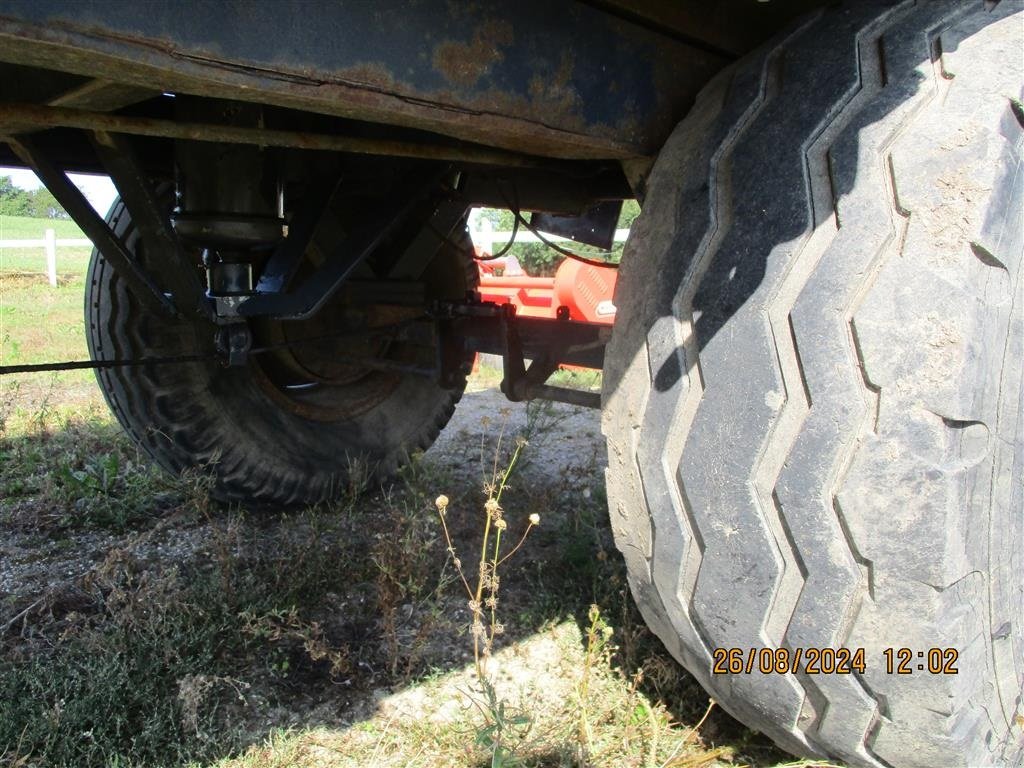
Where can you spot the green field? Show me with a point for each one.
(38, 322)
(70, 260)
(24, 228)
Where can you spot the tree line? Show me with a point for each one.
(35, 203)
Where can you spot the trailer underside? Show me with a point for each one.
(263, 117)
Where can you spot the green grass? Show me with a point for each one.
(25, 228)
(70, 466)
(70, 260)
(40, 323)
(149, 671)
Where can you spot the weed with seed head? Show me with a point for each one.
(483, 598)
(598, 650)
(502, 725)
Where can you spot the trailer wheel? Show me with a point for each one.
(294, 426)
(816, 426)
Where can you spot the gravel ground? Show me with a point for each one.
(56, 579)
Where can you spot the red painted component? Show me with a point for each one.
(585, 289)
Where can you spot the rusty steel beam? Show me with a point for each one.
(556, 79)
(102, 96)
(151, 219)
(95, 228)
(17, 118)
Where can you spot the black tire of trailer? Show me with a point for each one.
(813, 394)
(254, 439)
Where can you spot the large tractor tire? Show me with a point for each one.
(813, 397)
(293, 426)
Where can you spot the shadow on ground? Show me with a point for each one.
(143, 625)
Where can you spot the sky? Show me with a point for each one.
(98, 190)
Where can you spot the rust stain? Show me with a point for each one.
(369, 91)
(555, 95)
(370, 74)
(463, 64)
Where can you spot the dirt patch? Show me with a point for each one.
(330, 636)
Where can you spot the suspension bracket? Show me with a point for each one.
(466, 327)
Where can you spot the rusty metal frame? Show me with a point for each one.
(151, 220)
(564, 80)
(108, 243)
(30, 117)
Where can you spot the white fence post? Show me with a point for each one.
(485, 237)
(50, 239)
(50, 243)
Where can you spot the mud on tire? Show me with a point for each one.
(813, 395)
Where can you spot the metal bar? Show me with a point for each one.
(375, 364)
(563, 395)
(517, 282)
(30, 116)
(151, 220)
(578, 343)
(307, 298)
(483, 338)
(77, 365)
(103, 96)
(420, 253)
(285, 260)
(513, 366)
(109, 244)
(521, 383)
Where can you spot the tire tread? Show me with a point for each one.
(765, 512)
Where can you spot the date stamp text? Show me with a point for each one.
(831, 661)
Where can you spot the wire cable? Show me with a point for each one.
(503, 251)
(519, 219)
(75, 365)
